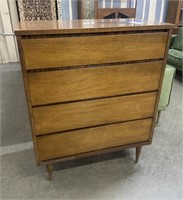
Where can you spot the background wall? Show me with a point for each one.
(146, 10)
(8, 49)
(154, 10)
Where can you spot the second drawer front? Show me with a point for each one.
(77, 84)
(93, 139)
(70, 116)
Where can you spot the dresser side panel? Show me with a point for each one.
(29, 105)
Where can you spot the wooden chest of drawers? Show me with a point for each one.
(92, 86)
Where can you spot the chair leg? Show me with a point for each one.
(138, 151)
(158, 116)
(49, 171)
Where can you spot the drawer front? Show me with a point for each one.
(74, 51)
(77, 84)
(93, 139)
(70, 116)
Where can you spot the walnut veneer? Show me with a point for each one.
(92, 86)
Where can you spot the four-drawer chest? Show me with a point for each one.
(92, 86)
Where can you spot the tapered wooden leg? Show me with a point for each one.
(49, 170)
(138, 151)
(158, 116)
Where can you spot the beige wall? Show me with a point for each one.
(3, 47)
(13, 13)
(8, 47)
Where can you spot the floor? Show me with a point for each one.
(157, 176)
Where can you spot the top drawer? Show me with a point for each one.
(74, 51)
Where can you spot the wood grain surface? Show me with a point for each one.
(76, 84)
(93, 139)
(74, 51)
(92, 86)
(51, 27)
(69, 116)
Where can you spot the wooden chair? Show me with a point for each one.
(110, 13)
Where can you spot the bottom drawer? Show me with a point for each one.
(93, 139)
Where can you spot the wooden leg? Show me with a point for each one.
(158, 116)
(49, 170)
(138, 151)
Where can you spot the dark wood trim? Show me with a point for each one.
(40, 70)
(89, 31)
(97, 98)
(93, 34)
(174, 12)
(95, 126)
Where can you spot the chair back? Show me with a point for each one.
(127, 9)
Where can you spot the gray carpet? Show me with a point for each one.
(157, 176)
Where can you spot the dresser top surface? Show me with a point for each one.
(86, 26)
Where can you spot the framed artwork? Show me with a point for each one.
(29, 10)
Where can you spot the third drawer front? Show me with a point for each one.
(69, 85)
(93, 139)
(62, 117)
